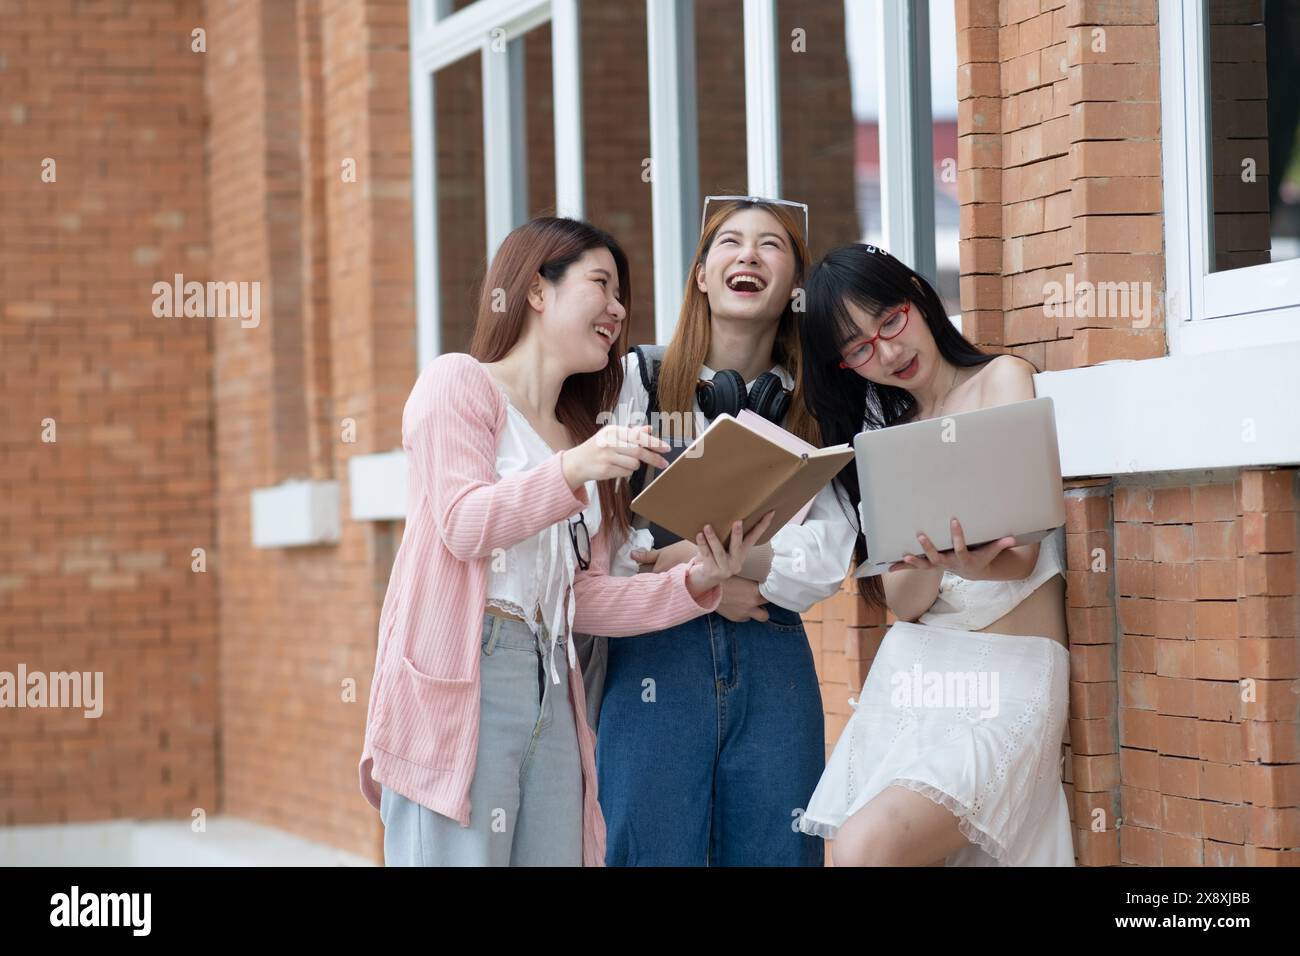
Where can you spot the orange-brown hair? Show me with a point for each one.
(547, 246)
(689, 347)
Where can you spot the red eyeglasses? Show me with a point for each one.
(860, 354)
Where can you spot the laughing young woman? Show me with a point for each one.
(915, 785)
(476, 751)
(711, 733)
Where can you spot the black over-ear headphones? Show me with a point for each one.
(725, 394)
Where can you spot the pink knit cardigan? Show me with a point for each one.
(423, 718)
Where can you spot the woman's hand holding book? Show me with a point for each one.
(715, 563)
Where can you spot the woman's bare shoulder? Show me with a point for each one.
(1005, 379)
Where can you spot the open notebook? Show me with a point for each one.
(740, 468)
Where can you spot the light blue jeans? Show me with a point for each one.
(526, 796)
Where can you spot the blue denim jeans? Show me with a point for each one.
(711, 741)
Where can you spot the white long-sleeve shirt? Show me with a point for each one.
(808, 561)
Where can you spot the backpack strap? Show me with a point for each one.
(649, 361)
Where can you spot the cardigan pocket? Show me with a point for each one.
(429, 722)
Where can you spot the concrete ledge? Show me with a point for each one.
(1180, 412)
(227, 841)
(295, 514)
(377, 486)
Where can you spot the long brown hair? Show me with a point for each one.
(547, 246)
(689, 347)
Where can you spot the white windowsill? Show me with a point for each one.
(1178, 412)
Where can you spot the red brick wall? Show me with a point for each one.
(1178, 589)
(1058, 172)
(97, 527)
(300, 91)
(1206, 584)
(1184, 657)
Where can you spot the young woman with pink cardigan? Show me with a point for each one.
(476, 751)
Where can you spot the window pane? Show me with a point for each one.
(539, 117)
(720, 98)
(616, 142)
(940, 112)
(818, 131)
(462, 231)
(860, 18)
(1254, 88)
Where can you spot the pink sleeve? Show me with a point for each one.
(452, 443)
(623, 607)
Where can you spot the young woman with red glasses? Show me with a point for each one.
(915, 782)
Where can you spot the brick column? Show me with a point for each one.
(979, 171)
(1060, 173)
(1208, 658)
(1268, 662)
(1091, 749)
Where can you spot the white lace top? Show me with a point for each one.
(970, 605)
(537, 573)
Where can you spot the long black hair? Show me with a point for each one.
(843, 402)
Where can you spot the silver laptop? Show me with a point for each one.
(997, 470)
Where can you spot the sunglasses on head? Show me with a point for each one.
(704, 215)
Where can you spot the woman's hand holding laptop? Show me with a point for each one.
(969, 563)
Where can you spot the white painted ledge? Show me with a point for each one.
(296, 514)
(1220, 410)
(377, 486)
(227, 841)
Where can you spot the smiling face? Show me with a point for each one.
(908, 358)
(749, 271)
(581, 315)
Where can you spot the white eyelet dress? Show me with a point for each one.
(972, 720)
(538, 573)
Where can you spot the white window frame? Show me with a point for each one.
(1207, 311)
(906, 135)
(493, 28)
(674, 153)
(762, 100)
(439, 38)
